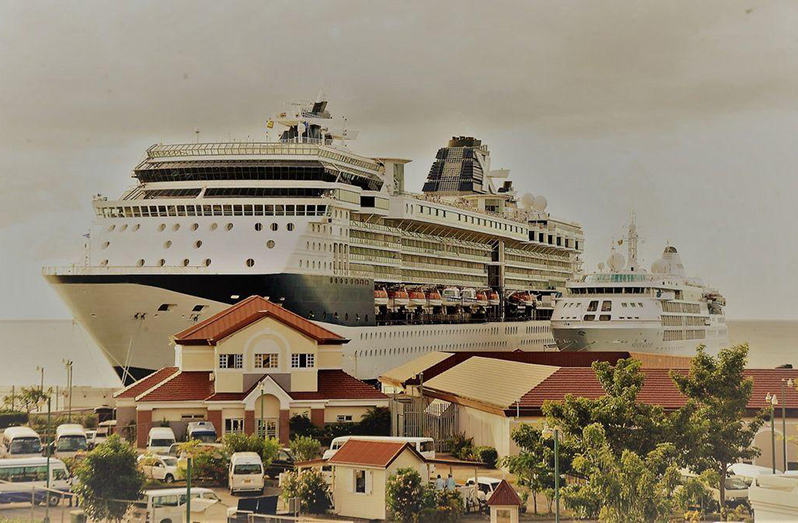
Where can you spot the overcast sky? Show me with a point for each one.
(686, 112)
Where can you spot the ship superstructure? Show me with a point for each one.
(330, 235)
(623, 307)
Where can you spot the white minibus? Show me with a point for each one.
(20, 442)
(246, 472)
(70, 438)
(424, 446)
(160, 439)
(169, 505)
(23, 479)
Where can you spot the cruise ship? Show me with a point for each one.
(622, 307)
(467, 264)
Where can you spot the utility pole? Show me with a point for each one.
(784, 383)
(188, 488)
(68, 364)
(41, 386)
(47, 438)
(421, 413)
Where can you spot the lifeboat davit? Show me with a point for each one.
(522, 299)
(417, 299)
(434, 298)
(398, 298)
(451, 296)
(482, 299)
(380, 297)
(493, 298)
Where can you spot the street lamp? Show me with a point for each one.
(772, 400)
(547, 432)
(262, 388)
(784, 383)
(68, 365)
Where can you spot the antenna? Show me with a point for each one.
(197, 133)
(633, 238)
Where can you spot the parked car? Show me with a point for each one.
(245, 473)
(282, 463)
(202, 430)
(160, 439)
(70, 439)
(169, 505)
(20, 442)
(104, 429)
(91, 438)
(162, 468)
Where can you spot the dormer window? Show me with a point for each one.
(231, 361)
(303, 361)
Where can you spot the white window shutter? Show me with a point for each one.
(369, 481)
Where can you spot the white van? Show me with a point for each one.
(20, 477)
(424, 446)
(20, 442)
(104, 429)
(70, 438)
(159, 440)
(169, 505)
(246, 472)
(202, 430)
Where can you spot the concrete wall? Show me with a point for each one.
(486, 429)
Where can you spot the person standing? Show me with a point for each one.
(450, 484)
(439, 484)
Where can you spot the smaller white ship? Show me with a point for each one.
(623, 307)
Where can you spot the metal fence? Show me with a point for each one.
(414, 417)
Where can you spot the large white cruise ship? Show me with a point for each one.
(329, 234)
(626, 308)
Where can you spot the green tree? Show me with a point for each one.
(107, 478)
(376, 422)
(407, 496)
(267, 448)
(209, 463)
(630, 489)
(305, 448)
(628, 424)
(309, 487)
(714, 432)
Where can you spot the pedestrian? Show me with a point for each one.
(439, 484)
(450, 484)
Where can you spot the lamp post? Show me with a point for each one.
(773, 401)
(784, 384)
(68, 365)
(41, 386)
(262, 388)
(555, 433)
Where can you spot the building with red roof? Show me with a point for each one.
(250, 367)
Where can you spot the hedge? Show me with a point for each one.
(12, 419)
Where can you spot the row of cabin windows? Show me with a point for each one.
(146, 211)
(465, 218)
(606, 306)
(267, 361)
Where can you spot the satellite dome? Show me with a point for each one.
(659, 266)
(616, 261)
(528, 200)
(601, 266)
(671, 249)
(540, 203)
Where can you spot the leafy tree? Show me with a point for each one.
(28, 398)
(485, 454)
(714, 434)
(208, 463)
(628, 424)
(406, 495)
(629, 489)
(305, 448)
(310, 487)
(461, 446)
(376, 422)
(448, 506)
(107, 476)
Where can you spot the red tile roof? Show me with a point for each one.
(658, 387)
(246, 312)
(504, 496)
(145, 384)
(186, 386)
(369, 453)
(335, 384)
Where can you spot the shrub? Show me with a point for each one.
(376, 422)
(407, 497)
(305, 448)
(208, 463)
(266, 448)
(12, 419)
(486, 455)
(449, 506)
(309, 487)
(461, 446)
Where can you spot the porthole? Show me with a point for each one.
(273, 226)
(176, 227)
(250, 262)
(167, 244)
(229, 226)
(140, 263)
(185, 262)
(214, 226)
(270, 244)
(162, 227)
(136, 227)
(290, 227)
(207, 262)
(258, 226)
(105, 245)
(123, 228)
(104, 263)
(194, 226)
(111, 228)
(198, 244)
(161, 262)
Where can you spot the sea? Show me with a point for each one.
(27, 346)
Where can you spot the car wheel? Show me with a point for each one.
(53, 499)
(166, 521)
(169, 478)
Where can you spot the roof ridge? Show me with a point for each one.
(158, 385)
(229, 310)
(138, 382)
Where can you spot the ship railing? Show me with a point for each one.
(82, 270)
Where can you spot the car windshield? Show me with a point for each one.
(170, 462)
(735, 484)
(25, 446)
(247, 469)
(71, 443)
(205, 437)
(161, 442)
(427, 446)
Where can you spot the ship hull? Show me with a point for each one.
(123, 315)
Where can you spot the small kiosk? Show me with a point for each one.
(504, 504)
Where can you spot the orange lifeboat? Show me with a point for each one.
(482, 299)
(398, 298)
(417, 299)
(493, 298)
(380, 297)
(522, 299)
(434, 298)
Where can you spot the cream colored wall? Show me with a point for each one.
(173, 414)
(304, 380)
(350, 504)
(763, 442)
(271, 406)
(494, 513)
(486, 429)
(195, 358)
(330, 358)
(408, 459)
(331, 413)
